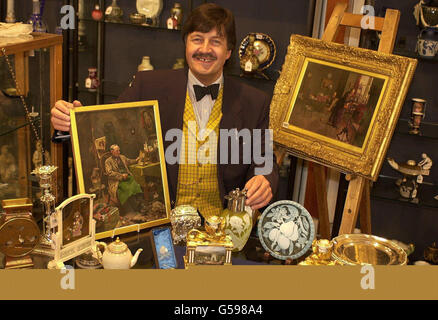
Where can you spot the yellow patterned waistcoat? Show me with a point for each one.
(197, 176)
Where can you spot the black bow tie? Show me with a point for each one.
(212, 90)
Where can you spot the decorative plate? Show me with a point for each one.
(286, 230)
(150, 8)
(264, 49)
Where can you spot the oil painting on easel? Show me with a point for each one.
(119, 157)
(337, 103)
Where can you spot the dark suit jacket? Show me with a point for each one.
(242, 107)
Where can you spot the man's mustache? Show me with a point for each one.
(204, 56)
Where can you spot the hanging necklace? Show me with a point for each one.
(23, 102)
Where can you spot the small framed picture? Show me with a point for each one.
(74, 229)
(162, 247)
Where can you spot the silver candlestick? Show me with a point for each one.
(45, 176)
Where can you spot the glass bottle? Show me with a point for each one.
(114, 13)
(36, 20)
(238, 221)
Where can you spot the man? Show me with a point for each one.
(209, 36)
(121, 184)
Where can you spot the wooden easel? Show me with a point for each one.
(358, 195)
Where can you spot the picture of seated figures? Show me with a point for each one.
(121, 165)
(336, 102)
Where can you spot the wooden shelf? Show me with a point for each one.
(40, 40)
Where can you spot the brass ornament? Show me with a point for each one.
(355, 249)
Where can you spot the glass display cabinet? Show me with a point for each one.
(30, 83)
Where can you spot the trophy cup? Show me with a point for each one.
(45, 175)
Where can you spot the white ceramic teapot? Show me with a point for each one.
(118, 256)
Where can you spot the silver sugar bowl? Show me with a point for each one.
(183, 219)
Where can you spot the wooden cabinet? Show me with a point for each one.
(31, 75)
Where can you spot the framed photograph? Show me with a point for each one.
(74, 229)
(162, 247)
(339, 105)
(119, 156)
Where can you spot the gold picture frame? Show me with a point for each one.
(130, 182)
(339, 105)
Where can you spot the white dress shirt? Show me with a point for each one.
(203, 107)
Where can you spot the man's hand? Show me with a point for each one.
(61, 114)
(259, 192)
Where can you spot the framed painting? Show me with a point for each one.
(119, 157)
(339, 105)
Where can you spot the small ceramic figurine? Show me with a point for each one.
(249, 63)
(92, 82)
(117, 255)
(172, 22)
(412, 175)
(426, 163)
(175, 20)
(37, 157)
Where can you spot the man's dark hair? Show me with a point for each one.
(209, 16)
